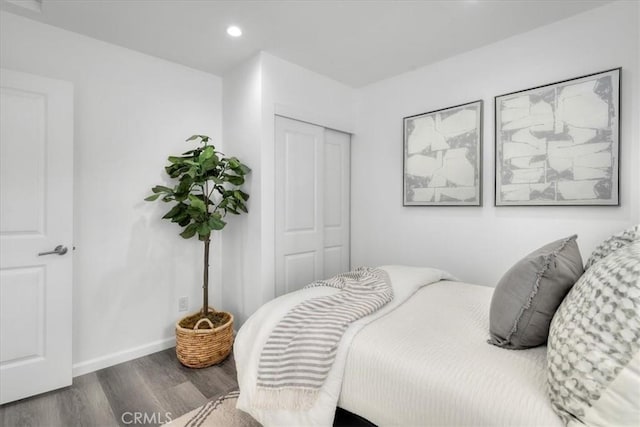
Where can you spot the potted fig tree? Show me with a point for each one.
(206, 188)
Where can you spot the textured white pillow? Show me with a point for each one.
(593, 353)
(612, 244)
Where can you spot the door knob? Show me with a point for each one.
(58, 250)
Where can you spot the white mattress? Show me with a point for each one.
(428, 363)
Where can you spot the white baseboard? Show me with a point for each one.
(122, 356)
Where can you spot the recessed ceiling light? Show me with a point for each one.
(234, 31)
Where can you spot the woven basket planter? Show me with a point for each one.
(199, 348)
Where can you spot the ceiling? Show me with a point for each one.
(355, 42)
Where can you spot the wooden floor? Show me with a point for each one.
(156, 385)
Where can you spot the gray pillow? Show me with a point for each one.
(528, 295)
(612, 244)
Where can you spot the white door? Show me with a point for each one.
(312, 204)
(336, 202)
(36, 207)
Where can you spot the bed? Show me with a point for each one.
(417, 363)
(425, 357)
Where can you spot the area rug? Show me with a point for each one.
(219, 413)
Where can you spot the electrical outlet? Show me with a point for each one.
(183, 303)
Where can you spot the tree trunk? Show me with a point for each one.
(205, 279)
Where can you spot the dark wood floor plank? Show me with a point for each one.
(32, 412)
(213, 381)
(85, 404)
(180, 399)
(159, 370)
(128, 393)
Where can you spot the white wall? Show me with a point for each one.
(281, 88)
(479, 244)
(131, 112)
(637, 111)
(241, 256)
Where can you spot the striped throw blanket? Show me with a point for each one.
(300, 351)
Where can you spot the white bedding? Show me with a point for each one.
(254, 333)
(421, 362)
(428, 363)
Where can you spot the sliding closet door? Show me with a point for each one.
(336, 201)
(312, 204)
(298, 210)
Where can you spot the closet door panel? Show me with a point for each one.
(298, 240)
(336, 197)
(300, 182)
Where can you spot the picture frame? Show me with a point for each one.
(442, 157)
(559, 144)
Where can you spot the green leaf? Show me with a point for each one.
(194, 213)
(197, 203)
(162, 189)
(240, 195)
(207, 153)
(244, 169)
(181, 217)
(152, 197)
(216, 222)
(190, 231)
(204, 138)
(183, 187)
(176, 160)
(203, 229)
(177, 209)
(210, 164)
(173, 170)
(233, 179)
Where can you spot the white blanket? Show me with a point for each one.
(428, 364)
(254, 333)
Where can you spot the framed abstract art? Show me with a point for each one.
(443, 157)
(558, 144)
